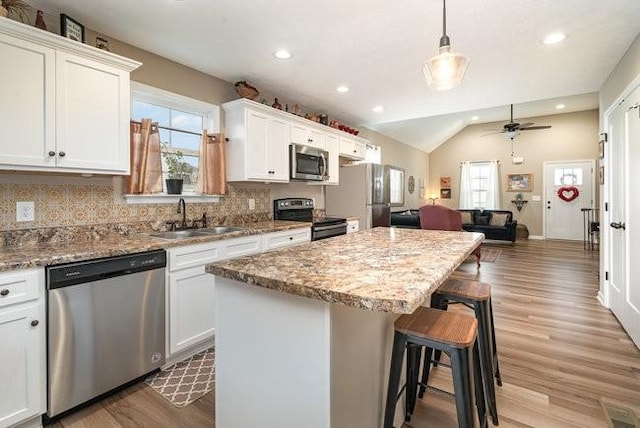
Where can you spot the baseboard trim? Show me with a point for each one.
(536, 237)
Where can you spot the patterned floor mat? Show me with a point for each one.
(186, 381)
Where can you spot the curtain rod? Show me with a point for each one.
(487, 161)
(179, 130)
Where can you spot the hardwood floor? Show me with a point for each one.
(560, 352)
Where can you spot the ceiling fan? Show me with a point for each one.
(512, 129)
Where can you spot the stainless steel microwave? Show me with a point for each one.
(308, 163)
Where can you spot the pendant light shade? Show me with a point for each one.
(446, 69)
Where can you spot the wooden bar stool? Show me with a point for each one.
(477, 296)
(454, 334)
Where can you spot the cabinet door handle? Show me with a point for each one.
(618, 225)
(62, 154)
(52, 153)
(291, 238)
(34, 323)
(4, 292)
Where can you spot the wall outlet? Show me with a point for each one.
(25, 211)
(252, 204)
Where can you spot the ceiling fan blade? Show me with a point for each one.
(533, 128)
(525, 125)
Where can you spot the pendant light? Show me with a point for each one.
(446, 69)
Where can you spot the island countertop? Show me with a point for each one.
(382, 269)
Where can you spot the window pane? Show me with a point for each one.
(567, 177)
(185, 142)
(186, 121)
(142, 110)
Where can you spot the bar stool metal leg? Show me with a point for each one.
(399, 344)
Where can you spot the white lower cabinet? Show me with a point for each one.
(22, 346)
(287, 238)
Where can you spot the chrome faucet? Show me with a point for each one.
(182, 209)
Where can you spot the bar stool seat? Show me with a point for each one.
(477, 296)
(452, 333)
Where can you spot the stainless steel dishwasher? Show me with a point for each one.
(106, 326)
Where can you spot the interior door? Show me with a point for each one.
(574, 181)
(623, 246)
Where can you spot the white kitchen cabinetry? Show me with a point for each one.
(286, 238)
(305, 136)
(67, 107)
(22, 339)
(191, 292)
(332, 145)
(258, 148)
(352, 149)
(353, 226)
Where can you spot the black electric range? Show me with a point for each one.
(301, 209)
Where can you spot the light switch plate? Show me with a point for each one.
(252, 204)
(536, 198)
(25, 211)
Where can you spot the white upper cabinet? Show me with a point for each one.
(259, 139)
(352, 149)
(258, 146)
(306, 136)
(332, 145)
(67, 108)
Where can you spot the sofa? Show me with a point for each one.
(495, 224)
(500, 227)
(408, 219)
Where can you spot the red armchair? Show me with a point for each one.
(438, 217)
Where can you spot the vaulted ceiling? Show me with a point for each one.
(377, 47)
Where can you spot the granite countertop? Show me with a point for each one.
(89, 246)
(382, 269)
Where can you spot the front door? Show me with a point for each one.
(568, 189)
(623, 246)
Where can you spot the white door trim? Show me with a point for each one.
(544, 186)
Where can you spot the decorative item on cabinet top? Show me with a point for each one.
(245, 90)
(15, 8)
(71, 29)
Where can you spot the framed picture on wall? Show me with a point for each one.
(519, 182)
(445, 182)
(445, 193)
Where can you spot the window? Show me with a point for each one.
(479, 185)
(180, 121)
(567, 177)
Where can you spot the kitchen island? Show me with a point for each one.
(304, 334)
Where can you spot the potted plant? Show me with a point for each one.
(16, 8)
(177, 169)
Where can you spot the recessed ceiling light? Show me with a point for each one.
(475, 117)
(282, 54)
(554, 38)
(342, 89)
(560, 106)
(378, 109)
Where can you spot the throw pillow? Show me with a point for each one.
(482, 220)
(498, 219)
(466, 217)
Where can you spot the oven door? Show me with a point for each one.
(308, 163)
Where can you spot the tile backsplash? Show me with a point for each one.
(74, 201)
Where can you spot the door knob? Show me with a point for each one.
(61, 154)
(617, 225)
(52, 153)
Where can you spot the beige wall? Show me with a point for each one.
(415, 163)
(622, 76)
(572, 136)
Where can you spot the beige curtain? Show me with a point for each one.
(212, 173)
(145, 159)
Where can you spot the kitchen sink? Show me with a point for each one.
(220, 229)
(179, 234)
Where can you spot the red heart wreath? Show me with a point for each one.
(568, 193)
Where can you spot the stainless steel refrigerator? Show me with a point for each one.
(367, 191)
